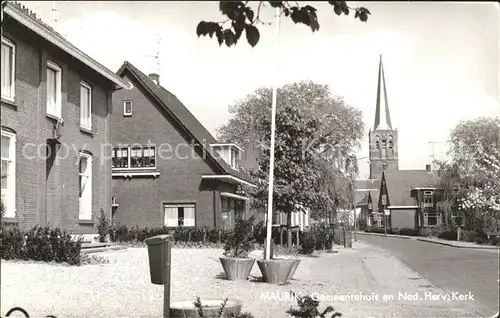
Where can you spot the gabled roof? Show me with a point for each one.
(365, 186)
(399, 185)
(27, 18)
(192, 126)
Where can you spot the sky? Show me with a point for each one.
(441, 60)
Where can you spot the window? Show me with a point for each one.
(85, 212)
(432, 219)
(85, 106)
(53, 90)
(377, 142)
(127, 108)
(142, 157)
(234, 158)
(120, 158)
(390, 142)
(428, 201)
(134, 157)
(178, 215)
(8, 69)
(8, 170)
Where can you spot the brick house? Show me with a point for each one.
(168, 170)
(55, 103)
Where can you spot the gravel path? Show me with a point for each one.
(122, 288)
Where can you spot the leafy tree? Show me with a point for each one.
(449, 183)
(314, 131)
(475, 151)
(242, 17)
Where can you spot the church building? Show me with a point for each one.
(407, 197)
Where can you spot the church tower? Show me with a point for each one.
(383, 139)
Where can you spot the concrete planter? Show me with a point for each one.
(211, 307)
(237, 268)
(278, 270)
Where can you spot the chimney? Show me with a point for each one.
(155, 77)
(428, 168)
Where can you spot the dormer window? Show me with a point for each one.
(230, 153)
(235, 160)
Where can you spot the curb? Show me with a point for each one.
(102, 249)
(388, 235)
(479, 247)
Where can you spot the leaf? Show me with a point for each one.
(253, 35)
(276, 4)
(363, 17)
(250, 14)
(338, 9)
(220, 36)
(313, 23)
(201, 29)
(229, 37)
(299, 16)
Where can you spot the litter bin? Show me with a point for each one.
(159, 251)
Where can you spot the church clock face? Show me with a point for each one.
(384, 165)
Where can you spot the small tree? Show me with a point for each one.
(103, 227)
(241, 241)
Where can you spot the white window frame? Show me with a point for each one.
(192, 222)
(125, 113)
(57, 113)
(10, 200)
(87, 125)
(129, 159)
(12, 92)
(85, 215)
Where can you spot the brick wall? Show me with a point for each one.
(51, 196)
(141, 199)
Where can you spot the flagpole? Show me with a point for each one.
(267, 254)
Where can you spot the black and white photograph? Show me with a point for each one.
(250, 159)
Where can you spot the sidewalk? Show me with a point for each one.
(363, 281)
(436, 240)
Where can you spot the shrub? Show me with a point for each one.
(448, 235)
(103, 227)
(409, 232)
(308, 307)
(308, 244)
(220, 312)
(11, 243)
(241, 241)
(40, 244)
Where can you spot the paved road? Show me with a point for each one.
(454, 269)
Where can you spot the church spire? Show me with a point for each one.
(382, 118)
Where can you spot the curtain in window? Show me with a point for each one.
(6, 70)
(171, 216)
(84, 106)
(51, 90)
(5, 169)
(189, 215)
(85, 212)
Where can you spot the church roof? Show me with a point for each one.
(382, 116)
(365, 186)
